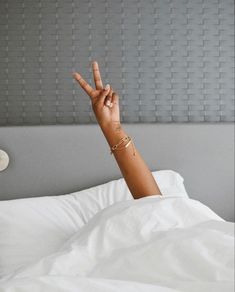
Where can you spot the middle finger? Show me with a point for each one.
(97, 77)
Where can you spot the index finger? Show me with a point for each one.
(97, 77)
(89, 90)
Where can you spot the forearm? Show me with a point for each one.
(136, 173)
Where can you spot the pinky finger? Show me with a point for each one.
(115, 98)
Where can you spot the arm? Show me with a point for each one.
(105, 103)
(137, 175)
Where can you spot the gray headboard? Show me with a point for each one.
(170, 60)
(54, 160)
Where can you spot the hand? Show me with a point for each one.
(105, 102)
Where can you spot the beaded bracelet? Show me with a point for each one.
(123, 140)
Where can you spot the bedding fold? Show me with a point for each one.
(153, 244)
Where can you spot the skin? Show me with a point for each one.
(105, 104)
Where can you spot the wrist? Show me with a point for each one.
(111, 127)
(113, 131)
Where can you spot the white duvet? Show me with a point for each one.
(151, 244)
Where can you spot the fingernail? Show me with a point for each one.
(108, 102)
(107, 87)
(76, 75)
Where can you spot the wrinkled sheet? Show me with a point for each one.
(151, 244)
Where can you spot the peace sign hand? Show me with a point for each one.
(105, 102)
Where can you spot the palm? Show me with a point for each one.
(108, 112)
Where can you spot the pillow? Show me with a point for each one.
(35, 227)
(170, 183)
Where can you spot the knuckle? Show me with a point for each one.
(95, 105)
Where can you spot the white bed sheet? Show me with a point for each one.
(152, 244)
(33, 228)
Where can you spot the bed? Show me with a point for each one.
(67, 225)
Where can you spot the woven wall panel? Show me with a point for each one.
(169, 60)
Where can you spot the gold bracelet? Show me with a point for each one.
(123, 140)
(120, 142)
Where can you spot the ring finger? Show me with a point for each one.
(108, 100)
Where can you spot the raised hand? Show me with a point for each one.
(105, 101)
(106, 108)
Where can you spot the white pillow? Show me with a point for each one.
(35, 227)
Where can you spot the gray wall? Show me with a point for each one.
(55, 160)
(170, 61)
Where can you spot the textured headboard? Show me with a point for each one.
(170, 60)
(54, 160)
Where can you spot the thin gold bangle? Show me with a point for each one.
(114, 147)
(130, 141)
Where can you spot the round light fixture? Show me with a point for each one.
(4, 160)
